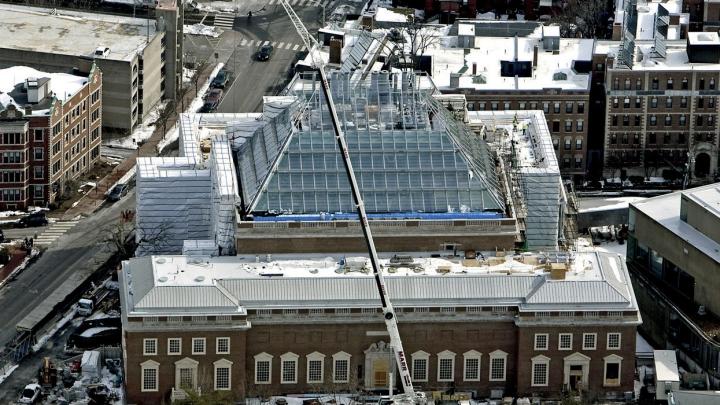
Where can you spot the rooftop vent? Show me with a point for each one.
(560, 76)
(200, 279)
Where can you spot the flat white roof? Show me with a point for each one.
(488, 52)
(666, 368)
(676, 56)
(704, 38)
(70, 32)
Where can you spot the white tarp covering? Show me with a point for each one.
(91, 364)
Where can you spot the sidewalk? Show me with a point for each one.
(93, 199)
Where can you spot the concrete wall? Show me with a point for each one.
(684, 255)
(587, 219)
(151, 76)
(172, 17)
(701, 218)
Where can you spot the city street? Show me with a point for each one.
(34, 284)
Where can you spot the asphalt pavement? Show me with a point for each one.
(79, 245)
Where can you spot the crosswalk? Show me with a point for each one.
(304, 3)
(289, 46)
(225, 21)
(53, 232)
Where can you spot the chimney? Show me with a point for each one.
(535, 57)
(474, 69)
(455, 80)
(28, 110)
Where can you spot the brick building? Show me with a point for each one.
(533, 70)
(54, 136)
(662, 107)
(315, 326)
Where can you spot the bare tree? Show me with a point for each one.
(167, 112)
(584, 18)
(121, 236)
(199, 67)
(414, 38)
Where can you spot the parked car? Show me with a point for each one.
(117, 192)
(33, 220)
(30, 394)
(265, 52)
(221, 80)
(212, 100)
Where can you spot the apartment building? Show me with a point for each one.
(219, 324)
(139, 57)
(662, 109)
(534, 70)
(52, 139)
(673, 252)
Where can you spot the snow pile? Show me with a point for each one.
(486, 16)
(59, 325)
(7, 373)
(62, 85)
(188, 75)
(143, 131)
(384, 14)
(613, 204)
(201, 29)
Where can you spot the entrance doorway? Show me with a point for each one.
(702, 164)
(380, 373)
(576, 375)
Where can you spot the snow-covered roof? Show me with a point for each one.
(704, 38)
(67, 32)
(62, 85)
(647, 12)
(158, 284)
(385, 15)
(553, 69)
(665, 210)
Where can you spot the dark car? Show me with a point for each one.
(32, 220)
(221, 80)
(117, 192)
(212, 100)
(265, 52)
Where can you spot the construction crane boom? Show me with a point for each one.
(387, 308)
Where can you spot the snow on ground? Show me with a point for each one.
(7, 373)
(602, 204)
(59, 325)
(384, 14)
(194, 105)
(585, 245)
(188, 74)
(143, 131)
(62, 85)
(201, 29)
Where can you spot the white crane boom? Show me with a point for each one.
(387, 308)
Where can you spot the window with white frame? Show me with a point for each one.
(222, 374)
(149, 376)
(420, 361)
(198, 345)
(542, 341)
(342, 311)
(222, 345)
(446, 366)
(613, 341)
(565, 341)
(611, 374)
(263, 368)
(186, 373)
(149, 347)
(473, 310)
(589, 341)
(540, 371)
(263, 313)
(174, 346)
(447, 309)
(341, 367)
(368, 311)
(316, 311)
(498, 361)
(315, 367)
(288, 368)
(471, 365)
(290, 312)
(186, 380)
(421, 309)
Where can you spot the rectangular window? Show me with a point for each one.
(174, 346)
(342, 311)
(541, 341)
(38, 172)
(39, 135)
(38, 153)
(565, 341)
(556, 108)
(316, 311)
(581, 107)
(668, 102)
(315, 371)
(447, 309)
(198, 345)
(186, 378)
(568, 125)
(578, 143)
(497, 369)
(262, 372)
(613, 341)
(579, 125)
(589, 341)
(612, 374)
(540, 374)
(446, 368)
(472, 369)
(149, 347)
(149, 379)
(288, 372)
(222, 345)
(569, 108)
(341, 370)
(420, 370)
(290, 311)
(222, 378)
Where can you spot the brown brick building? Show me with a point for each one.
(224, 324)
(663, 109)
(52, 139)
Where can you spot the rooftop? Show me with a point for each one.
(554, 69)
(676, 58)
(665, 210)
(161, 283)
(647, 12)
(704, 38)
(13, 90)
(72, 32)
